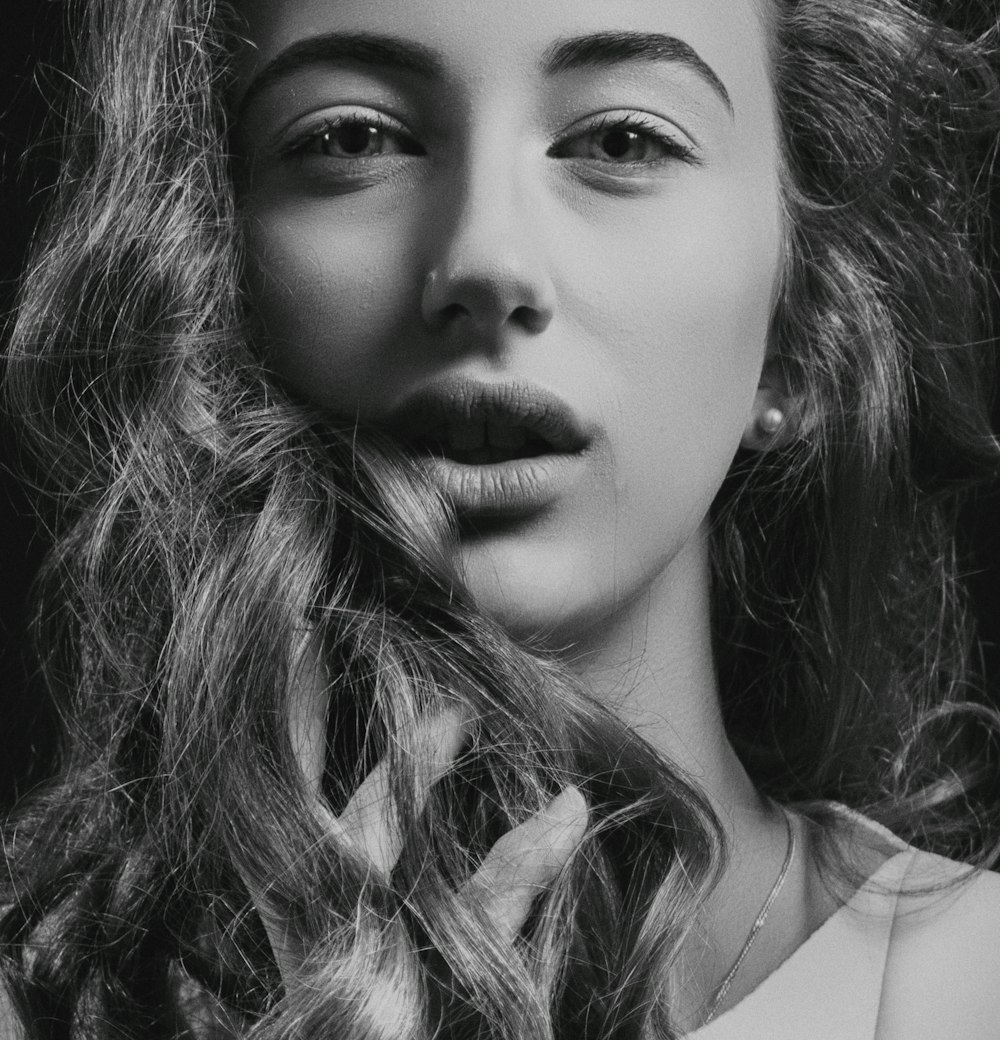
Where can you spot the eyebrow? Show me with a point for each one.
(384, 52)
(595, 50)
(600, 50)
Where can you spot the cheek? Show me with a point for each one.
(704, 340)
(331, 301)
(681, 304)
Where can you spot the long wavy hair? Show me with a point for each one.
(206, 525)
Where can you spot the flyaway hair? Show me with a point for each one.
(209, 532)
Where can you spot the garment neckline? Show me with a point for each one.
(874, 883)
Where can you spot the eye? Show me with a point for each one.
(625, 140)
(356, 135)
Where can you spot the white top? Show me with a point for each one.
(914, 955)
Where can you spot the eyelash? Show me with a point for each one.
(303, 144)
(674, 150)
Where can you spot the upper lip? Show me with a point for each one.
(533, 408)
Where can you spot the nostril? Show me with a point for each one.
(487, 297)
(452, 312)
(531, 319)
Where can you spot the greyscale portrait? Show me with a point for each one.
(500, 483)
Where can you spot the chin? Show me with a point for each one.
(569, 594)
(542, 595)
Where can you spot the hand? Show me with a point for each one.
(521, 864)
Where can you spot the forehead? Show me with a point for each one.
(479, 41)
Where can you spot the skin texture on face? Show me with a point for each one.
(607, 229)
(576, 196)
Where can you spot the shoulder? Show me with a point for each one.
(942, 970)
(924, 930)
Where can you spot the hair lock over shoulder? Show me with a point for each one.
(204, 522)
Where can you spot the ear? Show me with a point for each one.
(772, 422)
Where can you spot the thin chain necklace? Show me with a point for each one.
(723, 989)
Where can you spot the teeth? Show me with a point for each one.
(500, 435)
(466, 436)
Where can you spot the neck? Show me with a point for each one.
(653, 663)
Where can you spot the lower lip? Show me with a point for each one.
(521, 486)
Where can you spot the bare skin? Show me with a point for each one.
(461, 214)
(530, 857)
(522, 863)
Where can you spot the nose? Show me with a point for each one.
(489, 275)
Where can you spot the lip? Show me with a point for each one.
(523, 404)
(515, 486)
(520, 487)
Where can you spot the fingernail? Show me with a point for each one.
(570, 802)
(441, 736)
(449, 729)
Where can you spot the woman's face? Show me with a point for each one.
(539, 241)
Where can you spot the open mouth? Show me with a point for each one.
(475, 443)
(498, 452)
(476, 424)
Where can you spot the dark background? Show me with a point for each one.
(31, 42)
(31, 38)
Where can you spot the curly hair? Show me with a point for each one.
(204, 523)
(842, 619)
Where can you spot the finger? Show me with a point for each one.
(369, 822)
(370, 819)
(308, 706)
(527, 860)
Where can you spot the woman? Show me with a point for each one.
(428, 664)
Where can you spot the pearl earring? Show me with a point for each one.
(771, 421)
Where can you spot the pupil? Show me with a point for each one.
(618, 143)
(354, 138)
